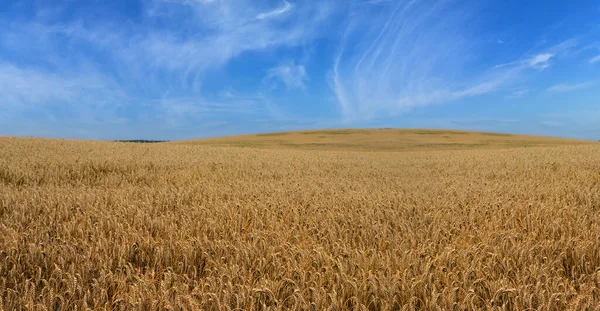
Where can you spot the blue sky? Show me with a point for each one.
(177, 69)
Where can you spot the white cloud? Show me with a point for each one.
(566, 87)
(29, 87)
(408, 55)
(293, 76)
(83, 98)
(595, 59)
(540, 61)
(164, 64)
(519, 93)
(413, 53)
(478, 89)
(229, 29)
(277, 12)
(390, 60)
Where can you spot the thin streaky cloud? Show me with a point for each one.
(33, 87)
(292, 75)
(160, 63)
(381, 69)
(277, 12)
(403, 62)
(568, 87)
(518, 94)
(540, 61)
(541, 58)
(595, 59)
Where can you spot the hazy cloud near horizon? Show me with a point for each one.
(172, 69)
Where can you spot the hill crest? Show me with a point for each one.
(383, 140)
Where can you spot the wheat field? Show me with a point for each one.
(338, 220)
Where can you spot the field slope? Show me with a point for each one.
(301, 221)
(383, 140)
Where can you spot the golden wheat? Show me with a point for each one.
(101, 225)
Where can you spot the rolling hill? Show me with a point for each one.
(383, 140)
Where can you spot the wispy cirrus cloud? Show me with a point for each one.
(277, 12)
(595, 59)
(540, 61)
(30, 86)
(415, 55)
(421, 54)
(291, 75)
(228, 29)
(105, 62)
(568, 87)
(396, 63)
(518, 94)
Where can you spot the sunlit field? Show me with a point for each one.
(338, 219)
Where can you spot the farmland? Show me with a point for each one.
(340, 219)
